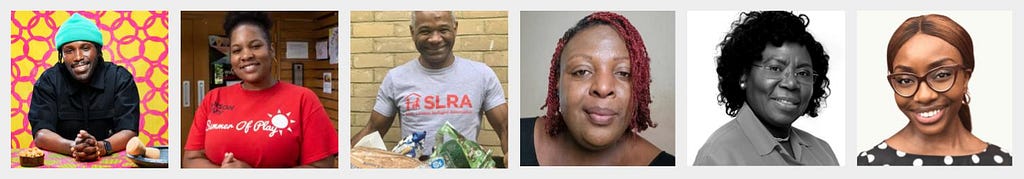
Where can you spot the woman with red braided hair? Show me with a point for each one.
(597, 100)
(771, 71)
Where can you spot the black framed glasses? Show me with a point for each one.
(803, 75)
(939, 79)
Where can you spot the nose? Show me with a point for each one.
(603, 86)
(75, 56)
(246, 55)
(925, 94)
(788, 81)
(435, 37)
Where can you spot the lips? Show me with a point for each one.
(600, 116)
(930, 116)
(81, 67)
(786, 102)
(249, 67)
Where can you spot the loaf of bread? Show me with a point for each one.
(364, 157)
(136, 148)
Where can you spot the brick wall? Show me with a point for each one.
(381, 40)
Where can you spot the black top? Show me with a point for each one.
(529, 151)
(883, 155)
(108, 104)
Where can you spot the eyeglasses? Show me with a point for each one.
(940, 79)
(802, 75)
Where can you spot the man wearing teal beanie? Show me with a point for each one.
(83, 106)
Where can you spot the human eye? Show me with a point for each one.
(581, 73)
(904, 80)
(775, 68)
(804, 73)
(941, 75)
(622, 74)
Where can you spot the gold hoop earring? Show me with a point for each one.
(743, 86)
(967, 98)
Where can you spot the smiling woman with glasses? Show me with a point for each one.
(771, 71)
(930, 60)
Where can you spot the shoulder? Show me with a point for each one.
(998, 155)
(880, 154)
(404, 68)
(50, 74)
(475, 66)
(813, 140)
(526, 124)
(725, 136)
(664, 159)
(292, 89)
(528, 152)
(723, 144)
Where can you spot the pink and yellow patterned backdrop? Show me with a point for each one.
(136, 40)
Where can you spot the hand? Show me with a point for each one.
(86, 148)
(231, 162)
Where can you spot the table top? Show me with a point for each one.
(56, 160)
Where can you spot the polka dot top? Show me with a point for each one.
(883, 155)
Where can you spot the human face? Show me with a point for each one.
(930, 111)
(779, 101)
(434, 34)
(251, 54)
(595, 87)
(80, 58)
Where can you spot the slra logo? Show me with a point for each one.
(415, 101)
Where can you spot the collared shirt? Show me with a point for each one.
(745, 141)
(107, 104)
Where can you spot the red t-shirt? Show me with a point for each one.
(278, 127)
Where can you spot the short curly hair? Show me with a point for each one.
(640, 72)
(747, 40)
(259, 19)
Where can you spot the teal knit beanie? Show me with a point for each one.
(78, 28)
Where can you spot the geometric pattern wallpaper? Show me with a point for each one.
(136, 40)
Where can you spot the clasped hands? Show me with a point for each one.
(86, 148)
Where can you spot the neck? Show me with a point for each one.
(439, 65)
(617, 154)
(260, 85)
(954, 139)
(776, 131)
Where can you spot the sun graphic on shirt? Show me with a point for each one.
(281, 121)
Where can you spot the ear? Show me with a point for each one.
(967, 79)
(743, 81)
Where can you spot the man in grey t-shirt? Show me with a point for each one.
(438, 87)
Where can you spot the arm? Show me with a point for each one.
(196, 159)
(126, 108)
(378, 122)
(326, 162)
(498, 117)
(50, 141)
(42, 117)
(119, 140)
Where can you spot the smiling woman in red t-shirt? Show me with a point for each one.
(259, 123)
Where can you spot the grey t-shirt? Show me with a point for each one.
(425, 98)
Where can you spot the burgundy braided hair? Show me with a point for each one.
(640, 73)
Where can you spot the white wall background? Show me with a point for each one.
(990, 86)
(708, 28)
